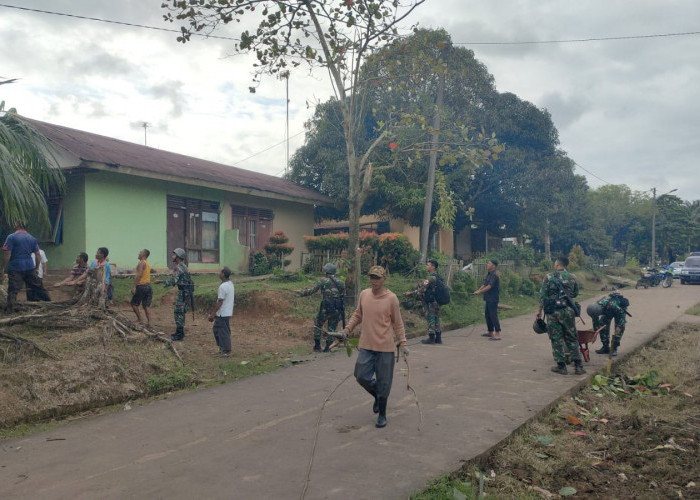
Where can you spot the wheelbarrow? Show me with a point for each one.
(586, 337)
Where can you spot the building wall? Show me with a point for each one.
(296, 220)
(127, 213)
(63, 256)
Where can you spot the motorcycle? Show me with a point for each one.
(651, 278)
(666, 276)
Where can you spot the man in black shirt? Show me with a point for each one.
(490, 292)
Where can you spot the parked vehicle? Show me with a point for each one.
(676, 266)
(651, 277)
(666, 276)
(694, 254)
(691, 270)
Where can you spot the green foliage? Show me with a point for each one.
(28, 173)
(277, 248)
(632, 264)
(396, 252)
(178, 378)
(577, 258)
(520, 255)
(528, 287)
(465, 281)
(259, 264)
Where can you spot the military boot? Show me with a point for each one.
(329, 341)
(317, 345)
(429, 340)
(603, 350)
(560, 368)
(178, 335)
(381, 419)
(614, 349)
(578, 368)
(438, 337)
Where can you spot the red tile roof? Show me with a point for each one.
(114, 152)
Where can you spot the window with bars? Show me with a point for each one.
(254, 225)
(194, 225)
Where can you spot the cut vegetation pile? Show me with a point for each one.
(634, 434)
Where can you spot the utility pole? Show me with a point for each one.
(145, 126)
(653, 229)
(428, 207)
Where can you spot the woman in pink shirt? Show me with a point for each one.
(378, 311)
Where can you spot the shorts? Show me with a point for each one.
(142, 296)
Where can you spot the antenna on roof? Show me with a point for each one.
(145, 126)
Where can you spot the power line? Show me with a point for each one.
(533, 42)
(583, 40)
(133, 25)
(267, 148)
(591, 173)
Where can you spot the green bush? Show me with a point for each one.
(528, 287)
(277, 249)
(259, 264)
(396, 253)
(465, 281)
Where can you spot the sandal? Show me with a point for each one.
(487, 335)
(495, 338)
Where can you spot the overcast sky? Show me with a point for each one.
(627, 111)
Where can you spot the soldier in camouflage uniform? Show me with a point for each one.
(182, 279)
(427, 290)
(331, 309)
(614, 306)
(561, 318)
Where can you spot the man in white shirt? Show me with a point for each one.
(222, 312)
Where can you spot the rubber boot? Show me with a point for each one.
(429, 340)
(603, 350)
(178, 335)
(329, 341)
(614, 349)
(438, 337)
(381, 419)
(317, 345)
(578, 369)
(560, 368)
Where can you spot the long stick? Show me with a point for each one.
(318, 424)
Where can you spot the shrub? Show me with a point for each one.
(277, 249)
(259, 264)
(528, 287)
(396, 252)
(464, 280)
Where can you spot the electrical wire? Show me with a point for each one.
(530, 42)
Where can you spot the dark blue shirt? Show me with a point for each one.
(22, 245)
(492, 294)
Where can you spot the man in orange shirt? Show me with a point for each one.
(378, 311)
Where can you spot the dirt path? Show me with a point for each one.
(254, 438)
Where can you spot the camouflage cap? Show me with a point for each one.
(377, 271)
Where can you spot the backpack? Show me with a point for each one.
(335, 304)
(442, 293)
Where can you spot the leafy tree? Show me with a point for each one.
(28, 173)
(334, 34)
(404, 79)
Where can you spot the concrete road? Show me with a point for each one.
(254, 438)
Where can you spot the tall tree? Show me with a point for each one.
(334, 34)
(403, 81)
